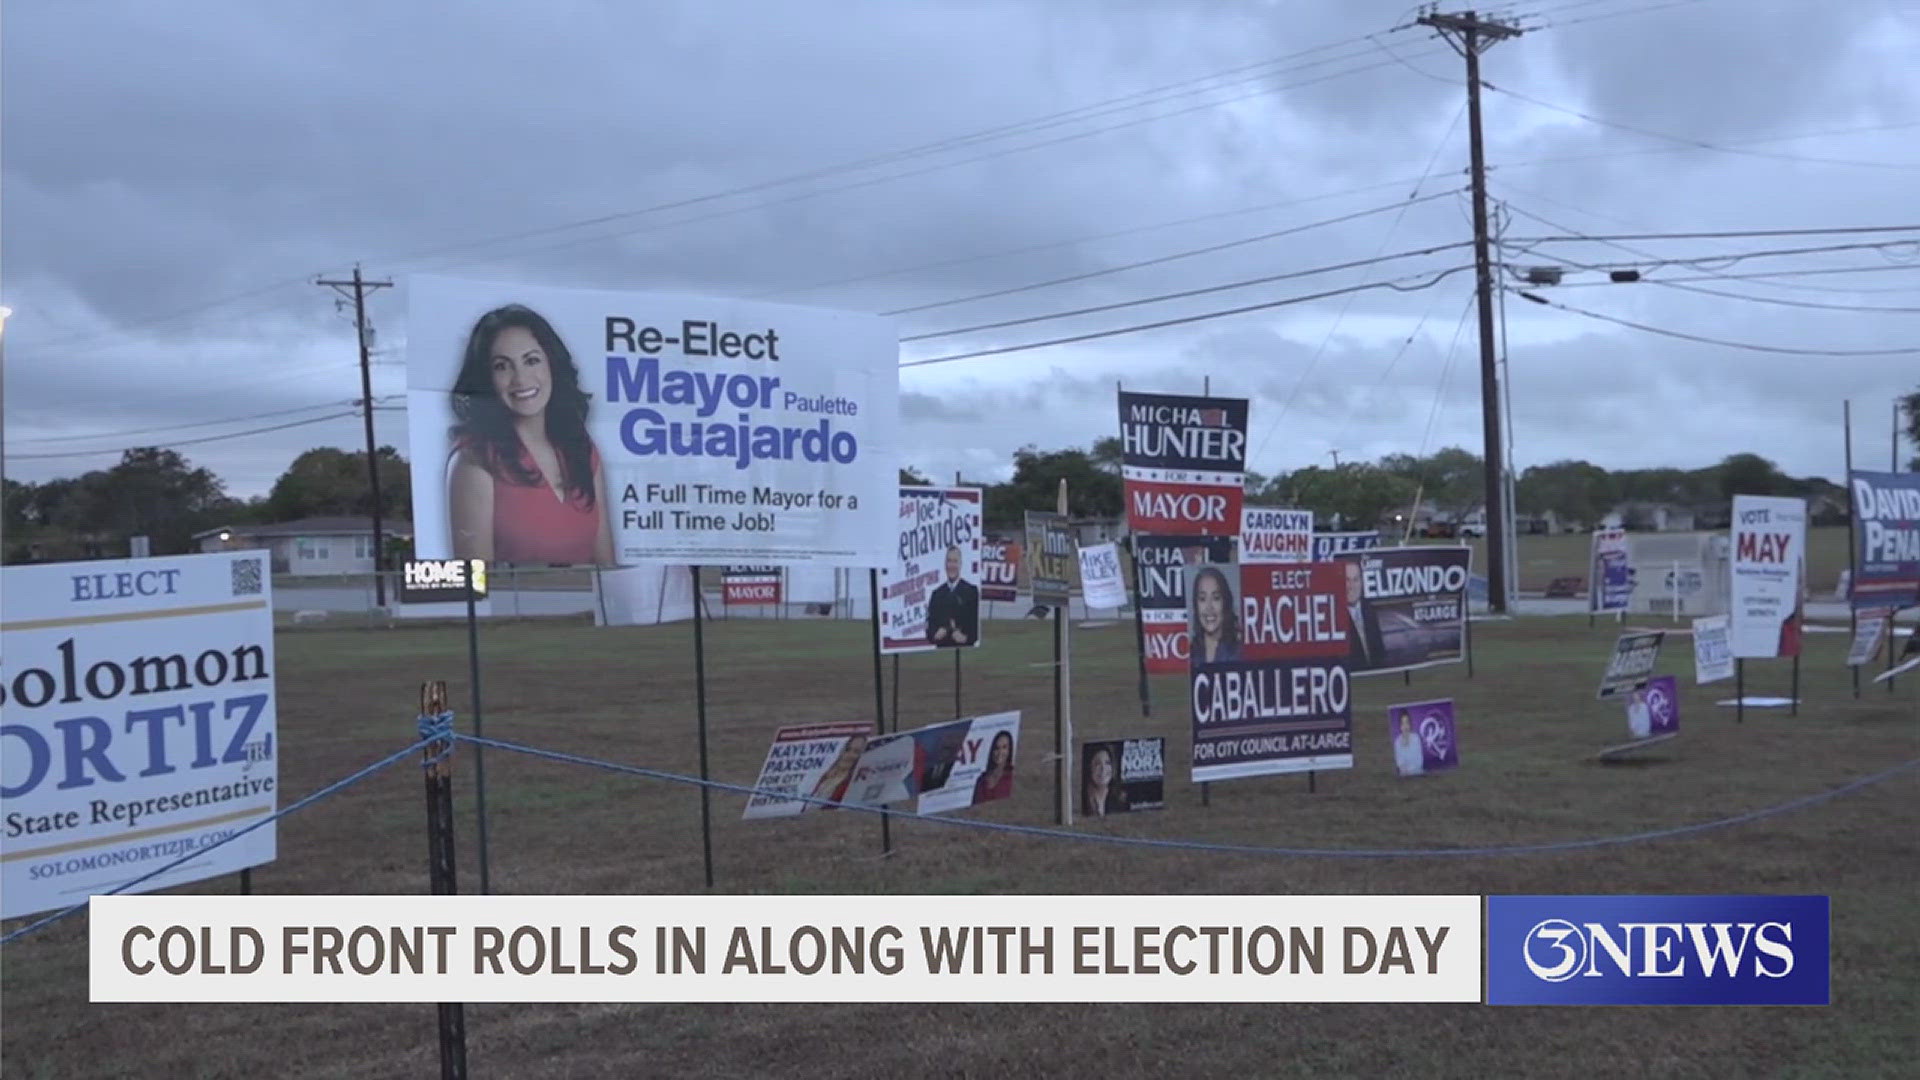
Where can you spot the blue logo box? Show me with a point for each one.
(1658, 950)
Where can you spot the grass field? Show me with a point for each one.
(1529, 728)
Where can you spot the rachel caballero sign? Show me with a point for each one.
(784, 948)
(433, 581)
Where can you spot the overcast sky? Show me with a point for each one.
(175, 175)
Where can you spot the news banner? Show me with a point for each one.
(1496, 950)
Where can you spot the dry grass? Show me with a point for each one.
(1529, 728)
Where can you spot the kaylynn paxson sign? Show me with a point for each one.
(138, 704)
(1886, 511)
(665, 428)
(1407, 607)
(1268, 678)
(1161, 564)
(1183, 463)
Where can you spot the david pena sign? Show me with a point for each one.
(138, 703)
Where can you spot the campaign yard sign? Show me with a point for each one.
(1886, 511)
(810, 761)
(1050, 557)
(1632, 662)
(748, 586)
(1407, 607)
(1653, 711)
(1424, 741)
(139, 725)
(1867, 634)
(946, 766)
(680, 429)
(1183, 463)
(432, 581)
(1270, 535)
(1000, 570)
(929, 590)
(1326, 545)
(1611, 572)
(1101, 582)
(1769, 551)
(1119, 776)
(1160, 563)
(1712, 651)
(1268, 672)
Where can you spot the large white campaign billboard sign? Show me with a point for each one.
(1769, 551)
(590, 427)
(137, 725)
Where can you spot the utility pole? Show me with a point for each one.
(1471, 35)
(360, 287)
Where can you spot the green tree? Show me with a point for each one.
(1356, 494)
(330, 482)
(152, 492)
(1750, 474)
(1453, 480)
(911, 475)
(1573, 491)
(1091, 490)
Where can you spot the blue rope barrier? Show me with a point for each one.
(1234, 849)
(309, 800)
(434, 728)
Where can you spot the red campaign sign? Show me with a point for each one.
(1292, 611)
(1166, 645)
(1160, 508)
(752, 592)
(1279, 612)
(1000, 570)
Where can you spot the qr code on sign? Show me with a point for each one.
(246, 577)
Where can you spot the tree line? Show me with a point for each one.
(158, 493)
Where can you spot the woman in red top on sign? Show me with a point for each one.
(526, 484)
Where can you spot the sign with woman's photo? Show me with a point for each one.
(1119, 776)
(1424, 741)
(1161, 565)
(930, 587)
(1769, 552)
(1407, 607)
(592, 428)
(1268, 652)
(811, 761)
(946, 766)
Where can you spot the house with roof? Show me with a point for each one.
(315, 545)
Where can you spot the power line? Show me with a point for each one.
(1609, 154)
(1055, 244)
(1184, 294)
(1538, 299)
(1715, 292)
(1136, 99)
(1313, 362)
(1734, 234)
(1208, 250)
(1185, 319)
(1700, 144)
(873, 181)
(1764, 276)
(188, 442)
(183, 427)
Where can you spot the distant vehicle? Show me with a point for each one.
(1473, 530)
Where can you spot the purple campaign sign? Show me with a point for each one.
(1423, 737)
(1654, 709)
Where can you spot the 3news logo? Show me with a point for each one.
(1658, 950)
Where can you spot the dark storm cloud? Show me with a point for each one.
(221, 149)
